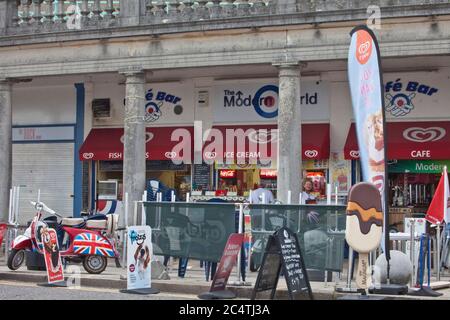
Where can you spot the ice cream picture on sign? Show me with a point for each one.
(364, 226)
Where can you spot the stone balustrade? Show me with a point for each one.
(36, 16)
(60, 14)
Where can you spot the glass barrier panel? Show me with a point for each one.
(190, 230)
(320, 230)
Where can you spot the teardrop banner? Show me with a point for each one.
(139, 258)
(283, 253)
(227, 262)
(366, 88)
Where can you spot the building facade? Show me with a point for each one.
(74, 87)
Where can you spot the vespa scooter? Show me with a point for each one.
(89, 242)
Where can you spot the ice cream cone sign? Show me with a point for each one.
(364, 227)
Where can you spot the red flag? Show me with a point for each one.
(438, 210)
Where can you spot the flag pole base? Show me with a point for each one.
(60, 284)
(349, 290)
(240, 283)
(216, 295)
(424, 292)
(142, 291)
(389, 289)
(361, 297)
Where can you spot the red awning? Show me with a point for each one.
(409, 140)
(315, 142)
(107, 144)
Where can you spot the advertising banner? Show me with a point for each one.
(3, 229)
(258, 102)
(340, 171)
(366, 87)
(52, 256)
(227, 262)
(139, 255)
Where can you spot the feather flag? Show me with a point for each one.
(438, 210)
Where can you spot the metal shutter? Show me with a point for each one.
(48, 167)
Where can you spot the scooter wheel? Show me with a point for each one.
(95, 264)
(16, 259)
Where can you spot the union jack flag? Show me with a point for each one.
(92, 244)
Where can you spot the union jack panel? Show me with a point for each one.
(92, 244)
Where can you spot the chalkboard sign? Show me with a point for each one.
(202, 176)
(283, 252)
(270, 269)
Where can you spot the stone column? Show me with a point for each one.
(5, 147)
(134, 139)
(289, 164)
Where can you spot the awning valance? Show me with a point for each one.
(107, 144)
(409, 140)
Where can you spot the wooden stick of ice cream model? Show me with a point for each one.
(364, 227)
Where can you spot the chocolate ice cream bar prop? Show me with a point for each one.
(364, 227)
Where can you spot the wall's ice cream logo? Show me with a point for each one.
(364, 46)
(311, 153)
(148, 137)
(354, 153)
(263, 136)
(88, 155)
(417, 134)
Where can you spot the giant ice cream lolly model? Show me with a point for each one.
(364, 227)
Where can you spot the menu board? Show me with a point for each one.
(283, 251)
(293, 265)
(269, 271)
(201, 178)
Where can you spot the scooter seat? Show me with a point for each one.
(72, 222)
(96, 224)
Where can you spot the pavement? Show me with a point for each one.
(113, 279)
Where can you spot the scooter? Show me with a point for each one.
(89, 241)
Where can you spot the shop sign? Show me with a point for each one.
(227, 174)
(156, 101)
(400, 95)
(418, 166)
(42, 133)
(259, 102)
(268, 174)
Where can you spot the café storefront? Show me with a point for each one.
(417, 152)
